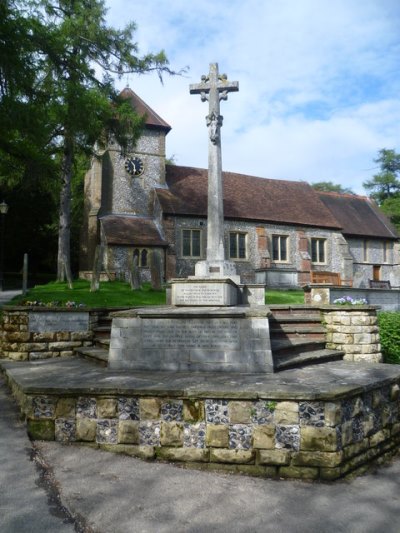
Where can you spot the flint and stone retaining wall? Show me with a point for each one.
(324, 439)
(30, 333)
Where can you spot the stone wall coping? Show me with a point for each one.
(73, 377)
(44, 309)
(348, 308)
(261, 311)
(346, 288)
(194, 279)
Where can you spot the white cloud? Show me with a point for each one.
(319, 81)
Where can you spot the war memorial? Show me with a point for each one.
(215, 378)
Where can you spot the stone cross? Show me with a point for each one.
(214, 87)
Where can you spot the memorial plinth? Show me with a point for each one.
(210, 339)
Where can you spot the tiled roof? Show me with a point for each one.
(246, 198)
(358, 215)
(131, 230)
(152, 119)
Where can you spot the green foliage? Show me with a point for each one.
(329, 186)
(386, 183)
(271, 405)
(57, 59)
(384, 187)
(110, 294)
(389, 329)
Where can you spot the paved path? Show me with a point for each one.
(6, 296)
(109, 493)
(25, 505)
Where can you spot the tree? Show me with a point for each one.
(329, 186)
(386, 184)
(62, 58)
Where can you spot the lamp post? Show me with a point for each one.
(3, 212)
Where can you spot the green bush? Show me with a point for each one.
(389, 329)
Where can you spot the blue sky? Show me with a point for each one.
(319, 82)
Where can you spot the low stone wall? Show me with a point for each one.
(30, 333)
(386, 299)
(355, 331)
(324, 439)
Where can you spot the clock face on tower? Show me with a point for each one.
(134, 165)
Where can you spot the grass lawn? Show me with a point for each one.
(110, 294)
(119, 294)
(294, 297)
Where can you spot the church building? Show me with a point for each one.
(282, 233)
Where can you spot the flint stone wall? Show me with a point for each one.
(324, 439)
(30, 333)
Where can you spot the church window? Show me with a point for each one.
(142, 256)
(386, 251)
(318, 250)
(365, 251)
(280, 248)
(191, 243)
(237, 245)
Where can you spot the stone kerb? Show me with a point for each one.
(30, 333)
(355, 331)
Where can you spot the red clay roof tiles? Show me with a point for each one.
(131, 230)
(359, 215)
(246, 198)
(152, 119)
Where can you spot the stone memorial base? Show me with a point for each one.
(230, 339)
(217, 270)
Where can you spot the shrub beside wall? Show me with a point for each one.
(389, 327)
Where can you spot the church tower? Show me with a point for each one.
(118, 210)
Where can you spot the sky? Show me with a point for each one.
(319, 82)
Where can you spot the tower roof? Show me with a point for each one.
(152, 119)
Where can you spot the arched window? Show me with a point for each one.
(143, 258)
(142, 255)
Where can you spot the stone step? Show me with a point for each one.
(102, 342)
(105, 321)
(102, 331)
(281, 347)
(294, 336)
(295, 319)
(304, 329)
(293, 310)
(295, 360)
(94, 354)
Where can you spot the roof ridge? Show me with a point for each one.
(347, 194)
(229, 172)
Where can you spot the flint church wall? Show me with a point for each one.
(258, 255)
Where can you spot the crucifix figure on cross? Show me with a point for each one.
(213, 88)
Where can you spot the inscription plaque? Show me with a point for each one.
(58, 322)
(205, 294)
(208, 334)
